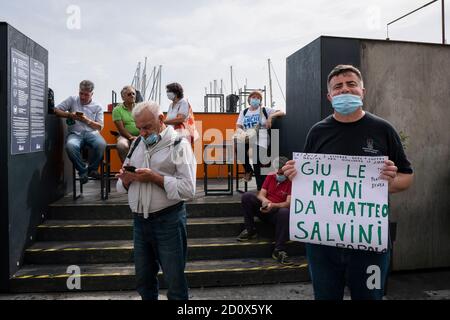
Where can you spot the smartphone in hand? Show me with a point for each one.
(130, 169)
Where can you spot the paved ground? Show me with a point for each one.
(432, 285)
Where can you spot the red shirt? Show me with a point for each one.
(277, 192)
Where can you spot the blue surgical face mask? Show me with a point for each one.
(151, 139)
(281, 178)
(255, 103)
(346, 103)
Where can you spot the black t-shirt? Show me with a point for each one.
(369, 136)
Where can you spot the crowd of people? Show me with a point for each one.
(159, 175)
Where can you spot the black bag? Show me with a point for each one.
(51, 101)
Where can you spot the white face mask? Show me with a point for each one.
(171, 96)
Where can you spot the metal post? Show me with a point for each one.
(240, 100)
(215, 92)
(265, 95)
(443, 22)
(221, 98)
(160, 80)
(231, 79)
(155, 85)
(138, 79)
(245, 94)
(425, 5)
(144, 80)
(270, 84)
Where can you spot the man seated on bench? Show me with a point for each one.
(84, 120)
(270, 205)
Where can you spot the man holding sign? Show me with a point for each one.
(351, 161)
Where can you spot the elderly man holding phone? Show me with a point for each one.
(84, 120)
(159, 175)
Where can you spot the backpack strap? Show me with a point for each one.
(269, 131)
(178, 141)
(135, 144)
(265, 112)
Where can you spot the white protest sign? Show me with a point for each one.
(340, 201)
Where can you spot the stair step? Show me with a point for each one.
(97, 230)
(90, 252)
(200, 273)
(121, 211)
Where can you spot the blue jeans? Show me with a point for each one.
(332, 268)
(161, 241)
(75, 143)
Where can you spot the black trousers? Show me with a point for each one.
(256, 169)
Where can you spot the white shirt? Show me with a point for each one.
(179, 178)
(181, 107)
(93, 111)
(252, 119)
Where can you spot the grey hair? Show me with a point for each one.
(151, 106)
(125, 89)
(86, 85)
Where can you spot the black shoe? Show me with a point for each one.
(84, 178)
(247, 236)
(94, 175)
(247, 177)
(282, 257)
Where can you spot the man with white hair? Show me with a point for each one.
(159, 174)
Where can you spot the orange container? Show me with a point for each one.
(212, 128)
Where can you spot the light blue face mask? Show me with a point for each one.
(151, 139)
(255, 103)
(171, 96)
(281, 178)
(346, 103)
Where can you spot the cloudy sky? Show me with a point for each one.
(196, 41)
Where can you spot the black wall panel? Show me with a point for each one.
(30, 181)
(306, 86)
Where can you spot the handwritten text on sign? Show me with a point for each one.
(340, 201)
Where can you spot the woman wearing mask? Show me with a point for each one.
(258, 118)
(180, 114)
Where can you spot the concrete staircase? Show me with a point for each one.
(97, 237)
